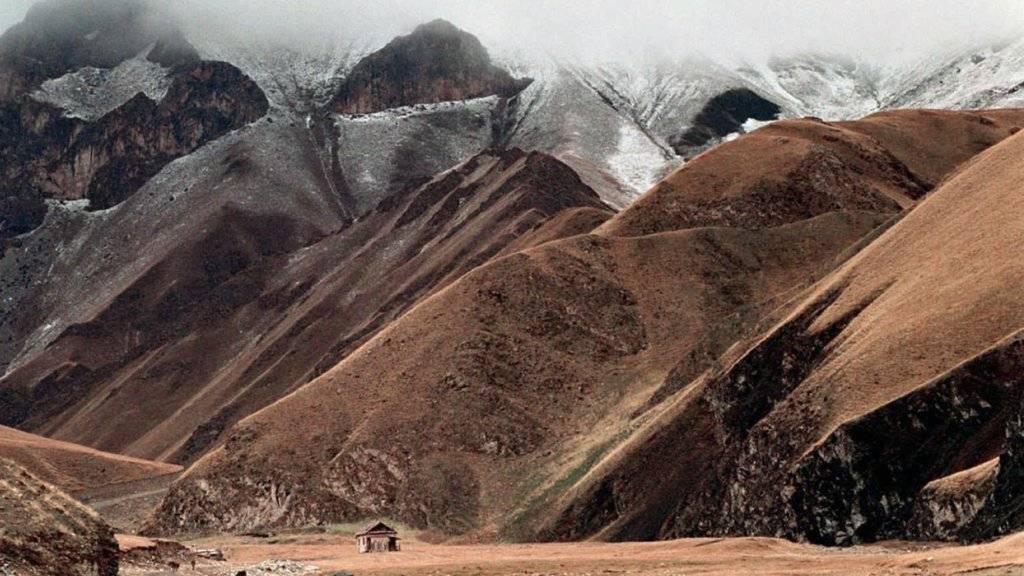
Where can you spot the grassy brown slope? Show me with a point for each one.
(929, 142)
(902, 368)
(72, 467)
(796, 169)
(243, 314)
(46, 533)
(481, 396)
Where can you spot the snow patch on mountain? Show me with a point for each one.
(612, 121)
(636, 159)
(90, 93)
(986, 77)
(299, 79)
(383, 152)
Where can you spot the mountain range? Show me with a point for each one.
(504, 297)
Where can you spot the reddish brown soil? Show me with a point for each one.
(507, 374)
(43, 532)
(710, 557)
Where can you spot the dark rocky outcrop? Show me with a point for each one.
(436, 63)
(944, 507)
(1003, 509)
(45, 153)
(723, 115)
(864, 482)
(48, 155)
(60, 36)
(46, 533)
(861, 484)
(21, 211)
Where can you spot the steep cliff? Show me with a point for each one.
(437, 62)
(54, 156)
(52, 152)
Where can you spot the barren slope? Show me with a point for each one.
(526, 371)
(502, 379)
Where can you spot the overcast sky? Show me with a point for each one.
(11, 11)
(876, 29)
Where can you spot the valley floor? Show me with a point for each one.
(719, 557)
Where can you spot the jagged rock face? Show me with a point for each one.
(436, 63)
(1000, 512)
(944, 507)
(60, 36)
(46, 533)
(49, 155)
(205, 101)
(723, 115)
(859, 485)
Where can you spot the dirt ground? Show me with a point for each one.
(718, 557)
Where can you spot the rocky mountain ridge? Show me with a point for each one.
(437, 62)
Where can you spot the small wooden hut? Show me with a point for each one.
(378, 537)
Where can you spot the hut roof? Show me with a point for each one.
(377, 529)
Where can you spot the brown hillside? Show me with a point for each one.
(235, 318)
(72, 467)
(501, 380)
(796, 169)
(872, 411)
(46, 533)
(484, 404)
